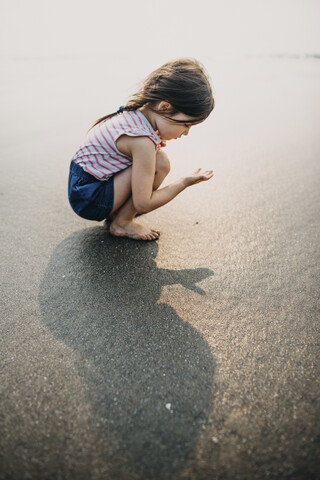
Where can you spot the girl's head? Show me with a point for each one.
(182, 84)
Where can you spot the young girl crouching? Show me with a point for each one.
(117, 172)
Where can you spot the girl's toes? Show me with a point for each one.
(151, 236)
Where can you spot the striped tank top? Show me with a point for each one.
(99, 156)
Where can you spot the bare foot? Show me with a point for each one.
(133, 230)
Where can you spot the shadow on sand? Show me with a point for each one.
(148, 374)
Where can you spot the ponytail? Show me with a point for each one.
(131, 106)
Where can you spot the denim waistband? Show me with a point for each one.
(75, 168)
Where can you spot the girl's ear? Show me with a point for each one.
(164, 106)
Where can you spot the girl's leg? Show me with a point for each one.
(123, 223)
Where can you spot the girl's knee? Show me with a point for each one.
(162, 163)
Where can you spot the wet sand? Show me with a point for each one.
(193, 357)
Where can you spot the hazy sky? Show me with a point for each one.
(167, 28)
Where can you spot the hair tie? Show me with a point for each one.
(120, 109)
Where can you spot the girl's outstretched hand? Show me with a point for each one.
(198, 176)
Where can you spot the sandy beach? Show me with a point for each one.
(195, 357)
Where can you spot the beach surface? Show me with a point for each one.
(195, 357)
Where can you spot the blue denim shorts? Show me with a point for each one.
(89, 197)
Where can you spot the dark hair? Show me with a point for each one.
(183, 83)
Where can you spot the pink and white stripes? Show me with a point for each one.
(99, 155)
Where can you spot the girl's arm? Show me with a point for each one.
(145, 199)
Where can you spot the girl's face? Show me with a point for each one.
(167, 127)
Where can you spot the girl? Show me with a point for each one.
(117, 172)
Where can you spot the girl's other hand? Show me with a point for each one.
(198, 176)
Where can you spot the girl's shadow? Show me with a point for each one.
(148, 373)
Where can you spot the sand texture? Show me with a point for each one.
(195, 357)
